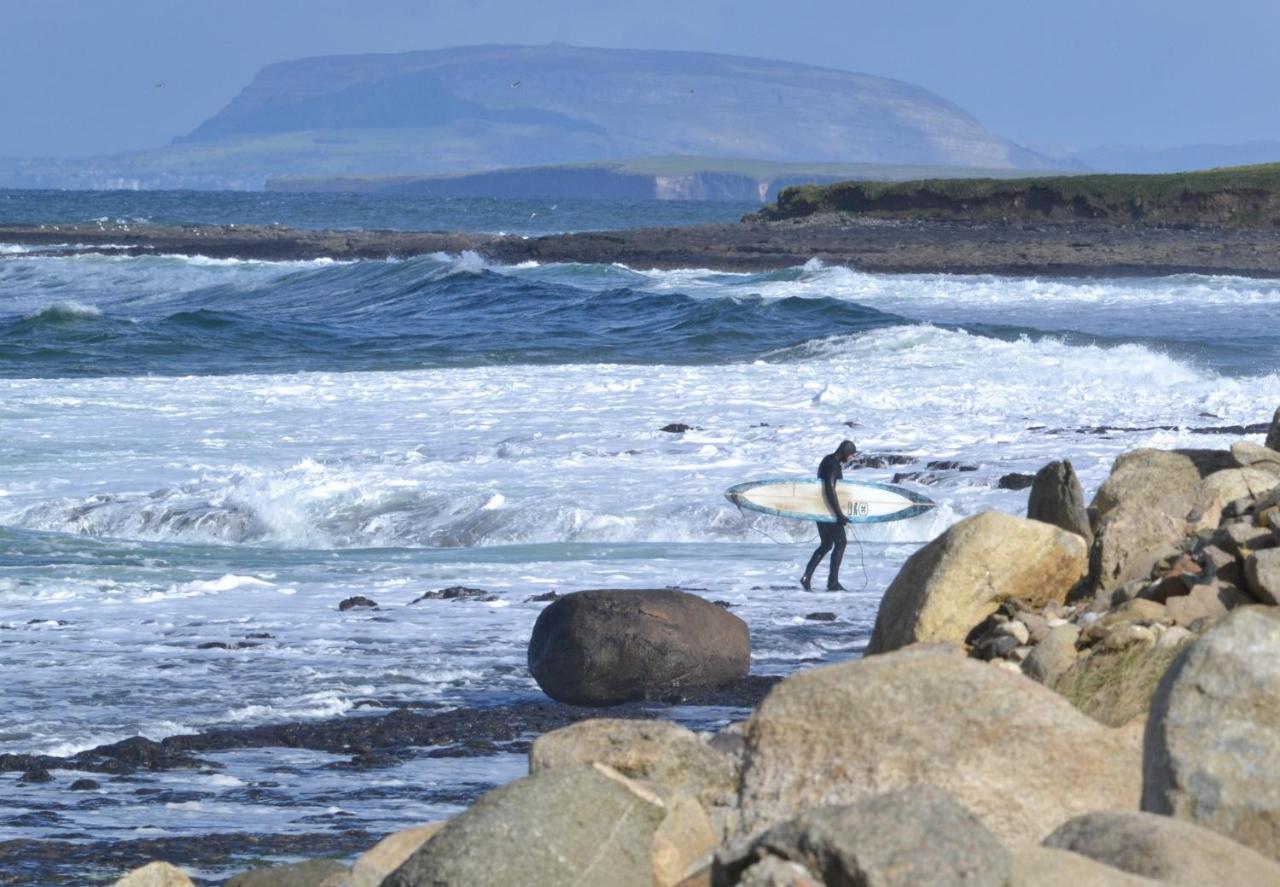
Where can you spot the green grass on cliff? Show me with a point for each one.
(1243, 196)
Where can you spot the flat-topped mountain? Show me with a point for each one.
(492, 106)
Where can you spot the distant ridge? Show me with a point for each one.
(477, 109)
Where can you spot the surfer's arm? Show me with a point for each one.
(833, 501)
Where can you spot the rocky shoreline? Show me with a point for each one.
(1088, 695)
(1070, 249)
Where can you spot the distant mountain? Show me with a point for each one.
(478, 108)
(1179, 159)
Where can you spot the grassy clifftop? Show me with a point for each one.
(1243, 196)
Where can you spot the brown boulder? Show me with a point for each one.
(607, 647)
(927, 714)
(959, 579)
(1049, 867)
(1166, 849)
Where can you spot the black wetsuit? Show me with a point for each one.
(831, 534)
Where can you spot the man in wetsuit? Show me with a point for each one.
(830, 470)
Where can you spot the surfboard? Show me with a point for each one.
(800, 498)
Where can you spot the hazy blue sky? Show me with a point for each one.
(80, 76)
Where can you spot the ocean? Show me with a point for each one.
(202, 458)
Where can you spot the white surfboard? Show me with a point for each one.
(800, 498)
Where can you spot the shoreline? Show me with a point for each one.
(1058, 249)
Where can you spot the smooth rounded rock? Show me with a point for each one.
(606, 647)
(959, 579)
(155, 874)
(1213, 737)
(1051, 867)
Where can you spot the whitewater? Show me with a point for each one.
(202, 459)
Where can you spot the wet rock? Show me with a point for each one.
(155, 874)
(880, 460)
(911, 836)
(605, 647)
(1015, 481)
(546, 597)
(1213, 736)
(927, 714)
(457, 593)
(950, 465)
(657, 752)
(1057, 498)
(298, 874)
(34, 776)
(1164, 849)
(927, 478)
(821, 616)
(1262, 575)
(960, 578)
(356, 601)
(677, 428)
(1273, 432)
(579, 825)
(85, 785)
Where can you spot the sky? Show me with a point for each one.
(86, 77)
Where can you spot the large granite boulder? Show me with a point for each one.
(659, 752)
(916, 835)
(1250, 455)
(607, 647)
(1034, 866)
(1143, 478)
(1213, 737)
(1013, 752)
(1057, 498)
(155, 874)
(581, 825)
(1165, 849)
(959, 579)
(1251, 482)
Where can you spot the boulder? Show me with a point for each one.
(1238, 538)
(383, 858)
(659, 752)
(1057, 498)
(1273, 433)
(1143, 478)
(1209, 600)
(155, 874)
(298, 874)
(1262, 575)
(959, 579)
(1240, 483)
(1213, 737)
(774, 872)
(1131, 538)
(1053, 656)
(1165, 849)
(928, 714)
(1249, 455)
(1050, 867)
(915, 835)
(581, 825)
(607, 647)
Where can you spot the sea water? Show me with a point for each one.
(201, 452)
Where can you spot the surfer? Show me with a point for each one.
(830, 470)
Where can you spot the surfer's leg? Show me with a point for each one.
(818, 554)
(838, 542)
